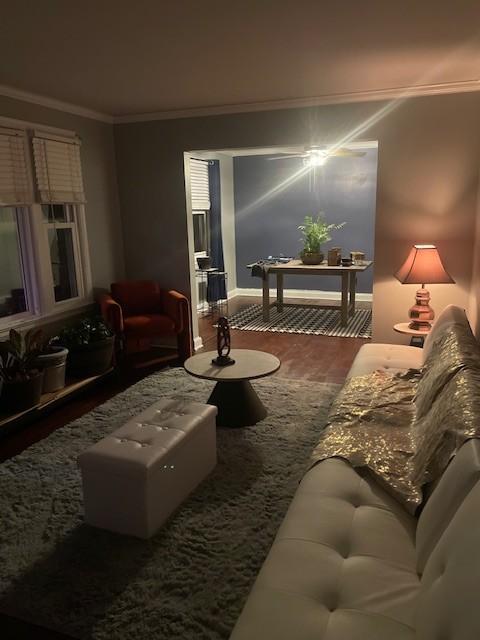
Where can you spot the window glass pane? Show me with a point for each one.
(62, 257)
(200, 234)
(56, 213)
(12, 287)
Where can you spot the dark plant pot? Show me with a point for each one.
(53, 365)
(22, 394)
(311, 258)
(91, 359)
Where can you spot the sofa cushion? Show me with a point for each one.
(386, 357)
(454, 485)
(148, 325)
(137, 296)
(342, 565)
(456, 350)
(450, 315)
(447, 604)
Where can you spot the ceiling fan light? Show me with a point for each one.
(315, 160)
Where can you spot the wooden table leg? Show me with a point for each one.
(279, 292)
(353, 289)
(266, 297)
(344, 308)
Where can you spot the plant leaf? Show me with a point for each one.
(16, 341)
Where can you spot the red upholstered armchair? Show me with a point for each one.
(138, 311)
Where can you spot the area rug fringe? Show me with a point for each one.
(304, 319)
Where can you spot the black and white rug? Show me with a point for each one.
(188, 582)
(304, 319)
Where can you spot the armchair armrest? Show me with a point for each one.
(175, 306)
(111, 312)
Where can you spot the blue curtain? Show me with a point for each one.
(216, 283)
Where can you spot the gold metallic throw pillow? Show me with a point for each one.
(456, 350)
(453, 418)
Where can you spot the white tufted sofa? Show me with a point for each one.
(348, 562)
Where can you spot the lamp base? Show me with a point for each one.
(421, 314)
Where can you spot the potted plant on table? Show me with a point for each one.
(21, 377)
(90, 347)
(314, 233)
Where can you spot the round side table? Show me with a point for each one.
(237, 402)
(416, 337)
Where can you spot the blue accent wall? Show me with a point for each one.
(270, 205)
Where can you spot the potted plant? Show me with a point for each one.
(52, 360)
(19, 372)
(314, 233)
(90, 347)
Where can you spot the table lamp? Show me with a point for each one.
(423, 265)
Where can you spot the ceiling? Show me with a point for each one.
(124, 57)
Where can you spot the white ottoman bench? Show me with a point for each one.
(134, 478)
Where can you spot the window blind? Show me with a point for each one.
(14, 179)
(199, 184)
(58, 169)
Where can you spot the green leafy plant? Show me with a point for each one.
(82, 333)
(18, 355)
(315, 232)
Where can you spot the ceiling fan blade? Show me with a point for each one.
(347, 153)
(297, 155)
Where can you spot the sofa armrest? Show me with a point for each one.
(111, 312)
(175, 306)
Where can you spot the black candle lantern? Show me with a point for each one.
(223, 344)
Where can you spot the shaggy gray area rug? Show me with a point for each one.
(191, 580)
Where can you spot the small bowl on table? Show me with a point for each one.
(347, 262)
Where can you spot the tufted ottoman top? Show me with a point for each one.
(147, 440)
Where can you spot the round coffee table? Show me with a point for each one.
(238, 404)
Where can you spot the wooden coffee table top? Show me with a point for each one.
(249, 364)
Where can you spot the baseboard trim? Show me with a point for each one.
(232, 293)
(298, 293)
(197, 343)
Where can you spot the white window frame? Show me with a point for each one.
(73, 226)
(23, 245)
(35, 252)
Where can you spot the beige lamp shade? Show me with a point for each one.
(423, 266)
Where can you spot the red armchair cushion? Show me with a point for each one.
(146, 325)
(138, 298)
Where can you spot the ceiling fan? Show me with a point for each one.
(316, 156)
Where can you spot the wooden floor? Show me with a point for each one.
(306, 357)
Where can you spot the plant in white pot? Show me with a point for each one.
(90, 346)
(52, 360)
(22, 379)
(314, 233)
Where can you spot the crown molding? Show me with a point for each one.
(465, 86)
(52, 103)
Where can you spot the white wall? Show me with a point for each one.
(474, 298)
(429, 154)
(228, 219)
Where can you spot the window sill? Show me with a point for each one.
(29, 320)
